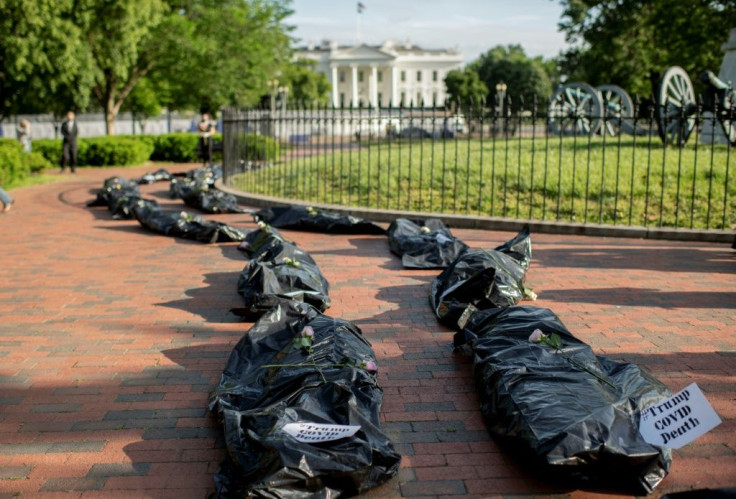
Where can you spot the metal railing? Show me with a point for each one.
(506, 161)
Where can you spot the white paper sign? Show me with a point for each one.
(678, 420)
(317, 432)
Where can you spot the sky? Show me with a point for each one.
(472, 26)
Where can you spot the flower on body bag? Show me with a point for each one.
(553, 340)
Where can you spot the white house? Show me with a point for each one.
(390, 74)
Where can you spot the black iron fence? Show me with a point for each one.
(559, 162)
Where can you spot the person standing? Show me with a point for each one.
(23, 131)
(69, 132)
(206, 130)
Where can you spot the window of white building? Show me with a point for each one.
(360, 76)
(434, 75)
(403, 75)
(379, 76)
(419, 76)
(342, 76)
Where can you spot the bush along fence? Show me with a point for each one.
(608, 162)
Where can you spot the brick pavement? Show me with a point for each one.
(112, 337)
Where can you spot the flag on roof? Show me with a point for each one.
(361, 7)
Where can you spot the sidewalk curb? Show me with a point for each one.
(497, 223)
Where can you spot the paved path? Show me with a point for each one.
(112, 337)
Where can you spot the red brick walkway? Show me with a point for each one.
(112, 337)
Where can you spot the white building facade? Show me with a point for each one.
(385, 75)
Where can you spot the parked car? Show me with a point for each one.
(414, 132)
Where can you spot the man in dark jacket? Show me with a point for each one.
(69, 132)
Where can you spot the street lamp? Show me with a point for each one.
(283, 93)
(273, 86)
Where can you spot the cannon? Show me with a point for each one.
(676, 106)
(579, 109)
(576, 108)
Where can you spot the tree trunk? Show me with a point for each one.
(111, 112)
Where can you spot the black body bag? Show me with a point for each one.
(312, 220)
(274, 378)
(565, 411)
(424, 244)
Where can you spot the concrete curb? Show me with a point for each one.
(497, 223)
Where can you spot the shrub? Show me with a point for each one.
(37, 162)
(100, 151)
(258, 147)
(118, 151)
(12, 166)
(49, 149)
(175, 147)
(179, 147)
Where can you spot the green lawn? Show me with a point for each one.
(620, 181)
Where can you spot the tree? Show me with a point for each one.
(305, 84)
(122, 38)
(41, 58)
(229, 50)
(621, 41)
(524, 77)
(464, 85)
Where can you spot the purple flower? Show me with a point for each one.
(537, 336)
(371, 366)
(308, 332)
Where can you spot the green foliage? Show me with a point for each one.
(254, 147)
(224, 63)
(41, 57)
(100, 151)
(36, 162)
(524, 77)
(464, 85)
(12, 166)
(305, 84)
(120, 151)
(49, 149)
(56, 55)
(620, 41)
(175, 147)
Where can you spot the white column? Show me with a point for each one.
(354, 81)
(374, 86)
(394, 86)
(334, 82)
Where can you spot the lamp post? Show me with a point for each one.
(501, 93)
(273, 86)
(283, 92)
(501, 96)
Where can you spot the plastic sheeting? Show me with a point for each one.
(485, 279)
(186, 225)
(312, 220)
(281, 271)
(121, 196)
(122, 203)
(114, 184)
(201, 195)
(261, 239)
(254, 403)
(564, 421)
(160, 175)
(425, 244)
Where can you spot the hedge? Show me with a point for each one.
(258, 147)
(123, 150)
(15, 165)
(12, 166)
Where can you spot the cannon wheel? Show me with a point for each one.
(575, 109)
(619, 110)
(675, 100)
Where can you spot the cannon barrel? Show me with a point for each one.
(709, 78)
